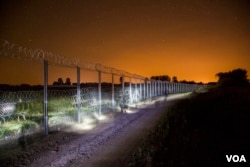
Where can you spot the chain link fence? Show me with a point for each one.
(28, 112)
(22, 111)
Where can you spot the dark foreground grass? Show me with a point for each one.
(200, 131)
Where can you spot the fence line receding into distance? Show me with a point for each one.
(78, 100)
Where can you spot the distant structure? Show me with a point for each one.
(60, 82)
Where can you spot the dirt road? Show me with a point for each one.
(107, 142)
(116, 151)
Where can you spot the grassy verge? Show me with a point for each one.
(12, 127)
(198, 131)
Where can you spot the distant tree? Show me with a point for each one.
(68, 82)
(165, 78)
(174, 79)
(60, 81)
(152, 77)
(161, 78)
(183, 81)
(188, 82)
(212, 83)
(55, 83)
(25, 85)
(121, 79)
(200, 83)
(234, 77)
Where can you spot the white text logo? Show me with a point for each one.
(236, 158)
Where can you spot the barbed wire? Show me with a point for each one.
(16, 51)
(38, 55)
(25, 96)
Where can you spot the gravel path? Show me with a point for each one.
(108, 143)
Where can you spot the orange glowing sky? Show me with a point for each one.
(190, 39)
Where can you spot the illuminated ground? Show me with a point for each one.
(108, 140)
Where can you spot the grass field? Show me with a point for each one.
(199, 131)
(27, 116)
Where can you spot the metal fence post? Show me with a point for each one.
(152, 87)
(164, 82)
(100, 93)
(140, 91)
(172, 87)
(177, 87)
(155, 93)
(167, 87)
(136, 91)
(161, 87)
(130, 91)
(144, 92)
(78, 96)
(123, 94)
(113, 92)
(45, 98)
(158, 88)
(149, 89)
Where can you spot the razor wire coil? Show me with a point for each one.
(16, 51)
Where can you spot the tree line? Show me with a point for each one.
(173, 79)
(61, 82)
(236, 77)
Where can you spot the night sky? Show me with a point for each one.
(190, 39)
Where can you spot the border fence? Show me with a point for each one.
(30, 111)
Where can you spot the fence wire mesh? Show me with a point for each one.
(24, 109)
(22, 112)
